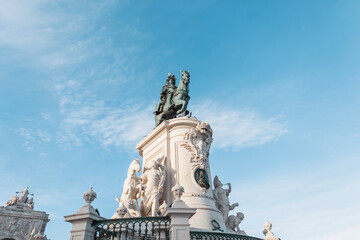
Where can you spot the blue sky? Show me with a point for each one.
(278, 81)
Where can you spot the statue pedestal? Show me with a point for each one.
(179, 214)
(168, 141)
(81, 223)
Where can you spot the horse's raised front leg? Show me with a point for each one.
(180, 103)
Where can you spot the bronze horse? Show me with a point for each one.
(174, 102)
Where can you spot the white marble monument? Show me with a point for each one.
(176, 153)
(183, 145)
(19, 220)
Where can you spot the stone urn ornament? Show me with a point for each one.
(89, 196)
(177, 191)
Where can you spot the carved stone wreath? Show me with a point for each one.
(198, 141)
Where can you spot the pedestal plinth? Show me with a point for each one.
(184, 143)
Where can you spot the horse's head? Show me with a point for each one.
(185, 77)
(135, 165)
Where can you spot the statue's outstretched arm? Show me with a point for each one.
(233, 206)
(229, 189)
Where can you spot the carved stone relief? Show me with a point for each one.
(18, 219)
(198, 141)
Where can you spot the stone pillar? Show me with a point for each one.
(185, 142)
(179, 214)
(81, 220)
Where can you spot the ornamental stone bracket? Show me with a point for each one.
(198, 141)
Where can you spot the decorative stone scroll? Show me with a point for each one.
(198, 142)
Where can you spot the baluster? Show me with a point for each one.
(166, 231)
(126, 229)
(102, 230)
(159, 231)
(139, 231)
(113, 231)
(133, 231)
(119, 233)
(120, 230)
(146, 229)
(153, 230)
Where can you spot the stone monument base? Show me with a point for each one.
(21, 222)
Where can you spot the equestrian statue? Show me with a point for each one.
(173, 100)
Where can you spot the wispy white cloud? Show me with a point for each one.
(34, 136)
(236, 127)
(106, 125)
(43, 34)
(68, 44)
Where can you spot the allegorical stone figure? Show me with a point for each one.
(131, 192)
(221, 196)
(234, 222)
(153, 180)
(13, 200)
(267, 232)
(22, 200)
(173, 100)
(24, 197)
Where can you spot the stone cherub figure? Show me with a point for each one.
(127, 208)
(234, 222)
(267, 232)
(153, 180)
(221, 196)
(163, 208)
(173, 100)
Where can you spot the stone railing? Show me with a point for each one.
(200, 235)
(87, 224)
(132, 228)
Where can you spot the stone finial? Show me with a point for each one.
(89, 196)
(177, 191)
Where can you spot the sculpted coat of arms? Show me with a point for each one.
(198, 141)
